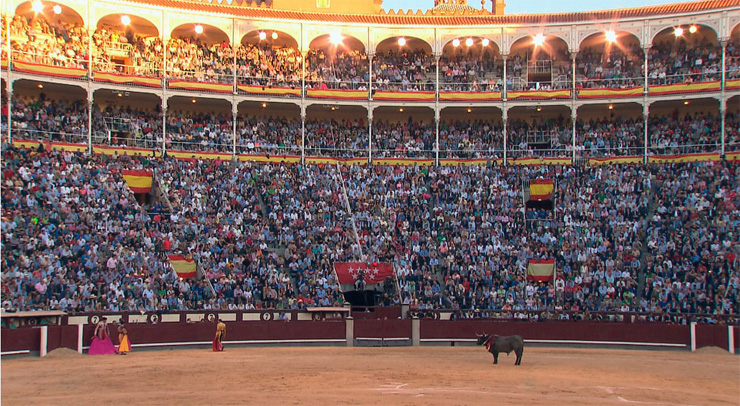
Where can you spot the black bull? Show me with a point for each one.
(507, 344)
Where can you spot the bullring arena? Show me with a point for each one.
(341, 198)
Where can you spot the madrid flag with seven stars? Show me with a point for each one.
(348, 272)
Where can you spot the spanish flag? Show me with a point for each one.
(138, 181)
(540, 189)
(541, 271)
(184, 267)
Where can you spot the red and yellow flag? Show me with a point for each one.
(138, 181)
(133, 79)
(685, 88)
(271, 91)
(203, 86)
(184, 267)
(59, 71)
(404, 96)
(540, 189)
(609, 93)
(541, 271)
(337, 94)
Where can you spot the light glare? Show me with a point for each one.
(538, 40)
(455, 42)
(199, 29)
(485, 42)
(335, 38)
(402, 41)
(469, 42)
(125, 20)
(57, 9)
(678, 32)
(263, 35)
(37, 6)
(611, 36)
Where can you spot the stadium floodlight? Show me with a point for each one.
(263, 35)
(57, 9)
(485, 42)
(274, 35)
(402, 41)
(678, 32)
(37, 6)
(538, 40)
(469, 42)
(125, 20)
(692, 29)
(335, 38)
(199, 29)
(611, 36)
(456, 42)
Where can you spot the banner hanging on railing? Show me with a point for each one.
(539, 95)
(127, 79)
(337, 94)
(685, 88)
(607, 93)
(403, 96)
(58, 71)
(202, 86)
(270, 90)
(469, 96)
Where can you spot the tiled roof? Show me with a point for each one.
(237, 10)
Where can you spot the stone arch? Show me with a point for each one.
(70, 13)
(283, 39)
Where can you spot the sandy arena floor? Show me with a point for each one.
(374, 376)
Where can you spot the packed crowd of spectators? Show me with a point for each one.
(270, 136)
(680, 62)
(42, 118)
(197, 131)
(266, 235)
(682, 134)
(38, 40)
(470, 73)
(74, 237)
(403, 71)
(127, 52)
(470, 139)
(540, 138)
(410, 139)
(610, 67)
(337, 69)
(536, 69)
(692, 239)
(732, 59)
(337, 138)
(44, 42)
(267, 65)
(610, 136)
(126, 126)
(190, 59)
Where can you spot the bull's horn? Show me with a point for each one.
(478, 335)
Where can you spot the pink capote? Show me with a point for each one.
(101, 343)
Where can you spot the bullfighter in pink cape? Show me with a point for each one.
(101, 343)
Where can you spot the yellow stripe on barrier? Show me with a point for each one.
(685, 88)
